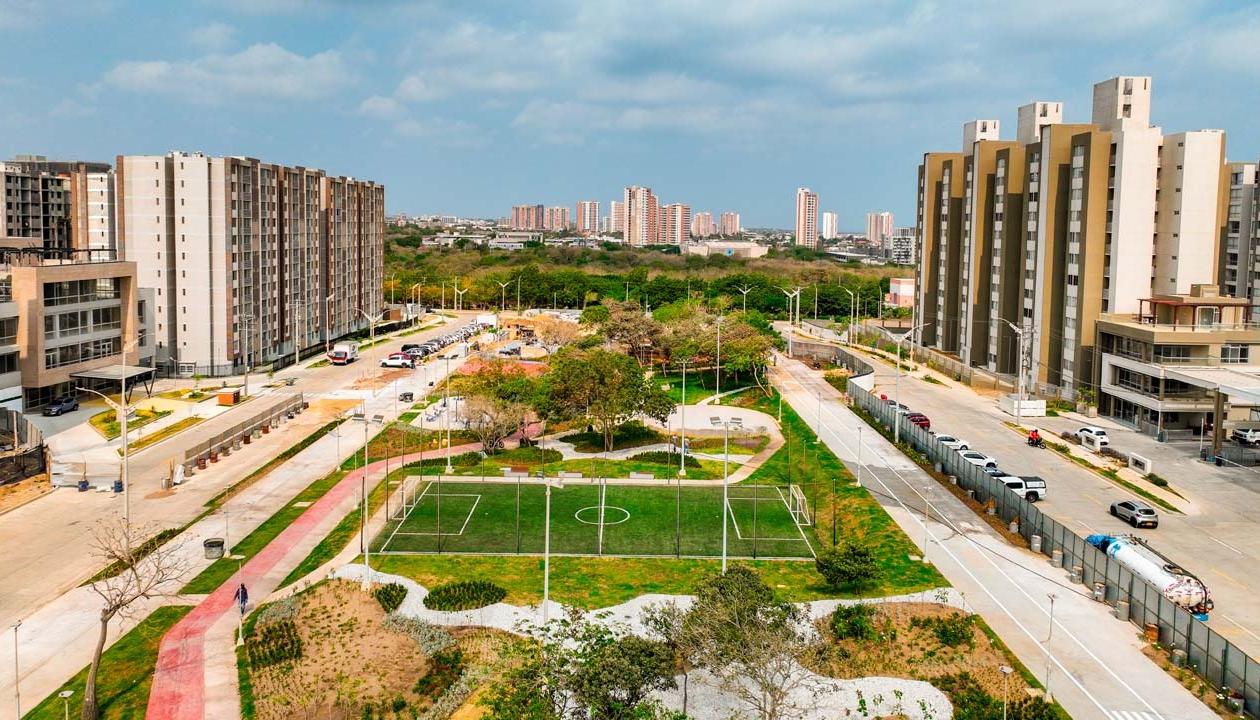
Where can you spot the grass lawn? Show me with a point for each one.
(591, 583)
(482, 517)
(186, 394)
(222, 569)
(157, 437)
(700, 385)
(590, 467)
(106, 423)
(630, 435)
(126, 673)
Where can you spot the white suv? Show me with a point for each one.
(1099, 435)
(978, 459)
(953, 443)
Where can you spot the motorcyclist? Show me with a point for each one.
(1034, 438)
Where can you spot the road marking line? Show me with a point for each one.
(1223, 544)
(1227, 577)
(1240, 627)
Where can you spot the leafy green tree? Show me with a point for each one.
(613, 678)
(606, 387)
(852, 565)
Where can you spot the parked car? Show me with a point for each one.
(398, 361)
(919, 420)
(978, 459)
(1136, 513)
(1031, 489)
(1246, 435)
(951, 442)
(61, 404)
(1098, 434)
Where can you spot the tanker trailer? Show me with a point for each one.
(1173, 581)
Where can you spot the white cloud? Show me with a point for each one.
(264, 71)
(380, 107)
(215, 36)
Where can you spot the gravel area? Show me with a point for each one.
(818, 697)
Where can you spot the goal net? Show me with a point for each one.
(797, 505)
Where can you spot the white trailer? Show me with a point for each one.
(1173, 581)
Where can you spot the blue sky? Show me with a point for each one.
(470, 107)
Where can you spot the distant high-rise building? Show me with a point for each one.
(642, 224)
(702, 225)
(556, 219)
(677, 225)
(87, 193)
(830, 226)
(528, 217)
(617, 216)
(587, 217)
(901, 246)
(806, 218)
(730, 223)
(879, 227)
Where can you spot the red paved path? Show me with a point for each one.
(179, 678)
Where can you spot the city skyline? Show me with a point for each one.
(425, 98)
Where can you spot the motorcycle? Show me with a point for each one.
(1037, 442)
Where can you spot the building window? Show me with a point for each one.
(1237, 354)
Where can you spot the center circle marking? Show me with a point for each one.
(619, 513)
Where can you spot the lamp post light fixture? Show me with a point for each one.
(726, 425)
(363, 491)
(17, 680)
(852, 313)
(1006, 671)
(249, 324)
(557, 483)
(1049, 636)
(682, 425)
(897, 381)
(122, 410)
(372, 321)
(744, 290)
(65, 699)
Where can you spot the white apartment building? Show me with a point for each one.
(830, 226)
(587, 217)
(1238, 254)
(616, 216)
(249, 261)
(901, 246)
(677, 226)
(1189, 191)
(806, 229)
(879, 227)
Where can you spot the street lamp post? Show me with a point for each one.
(726, 457)
(249, 323)
(897, 382)
(363, 491)
(1050, 635)
(791, 324)
(17, 684)
(852, 314)
(446, 412)
(503, 286)
(1006, 671)
(1019, 405)
(123, 410)
(328, 322)
(744, 290)
(372, 320)
(717, 375)
(558, 483)
(682, 426)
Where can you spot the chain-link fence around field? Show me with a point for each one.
(1218, 660)
(657, 518)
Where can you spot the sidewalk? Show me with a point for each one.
(1091, 661)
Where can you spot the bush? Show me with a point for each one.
(850, 565)
(274, 643)
(390, 596)
(971, 702)
(444, 669)
(1156, 480)
(952, 630)
(429, 637)
(464, 595)
(664, 458)
(853, 622)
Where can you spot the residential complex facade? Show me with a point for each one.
(642, 216)
(587, 217)
(806, 228)
(901, 246)
(617, 216)
(879, 228)
(830, 225)
(1027, 244)
(556, 219)
(249, 261)
(528, 217)
(676, 227)
(729, 224)
(702, 225)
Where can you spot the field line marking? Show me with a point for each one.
(470, 514)
(416, 504)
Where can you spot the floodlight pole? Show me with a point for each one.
(682, 426)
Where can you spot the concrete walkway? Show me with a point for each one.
(1092, 662)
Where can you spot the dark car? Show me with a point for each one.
(62, 404)
(919, 420)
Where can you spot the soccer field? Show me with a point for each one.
(506, 517)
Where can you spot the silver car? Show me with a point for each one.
(1136, 513)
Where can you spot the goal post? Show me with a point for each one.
(798, 505)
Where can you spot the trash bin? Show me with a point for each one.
(84, 486)
(118, 486)
(1220, 461)
(1161, 436)
(213, 548)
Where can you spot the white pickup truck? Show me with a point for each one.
(1248, 436)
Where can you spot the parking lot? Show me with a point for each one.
(1216, 538)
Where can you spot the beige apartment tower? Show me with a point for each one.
(643, 216)
(806, 229)
(250, 261)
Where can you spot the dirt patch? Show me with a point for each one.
(1197, 686)
(324, 410)
(908, 644)
(379, 378)
(347, 659)
(15, 495)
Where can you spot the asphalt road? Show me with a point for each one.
(1218, 538)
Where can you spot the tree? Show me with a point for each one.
(629, 326)
(850, 565)
(143, 572)
(613, 678)
(667, 622)
(751, 642)
(606, 387)
(554, 333)
(492, 420)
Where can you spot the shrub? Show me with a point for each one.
(664, 458)
(390, 596)
(853, 622)
(971, 702)
(444, 669)
(851, 565)
(952, 630)
(464, 595)
(274, 643)
(429, 637)
(1156, 480)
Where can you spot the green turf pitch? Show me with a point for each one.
(480, 517)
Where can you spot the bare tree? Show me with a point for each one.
(137, 571)
(555, 333)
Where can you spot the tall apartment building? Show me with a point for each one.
(556, 219)
(806, 231)
(88, 192)
(643, 217)
(830, 226)
(677, 226)
(879, 227)
(1238, 250)
(702, 225)
(249, 260)
(1051, 230)
(587, 217)
(528, 217)
(36, 205)
(617, 216)
(729, 224)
